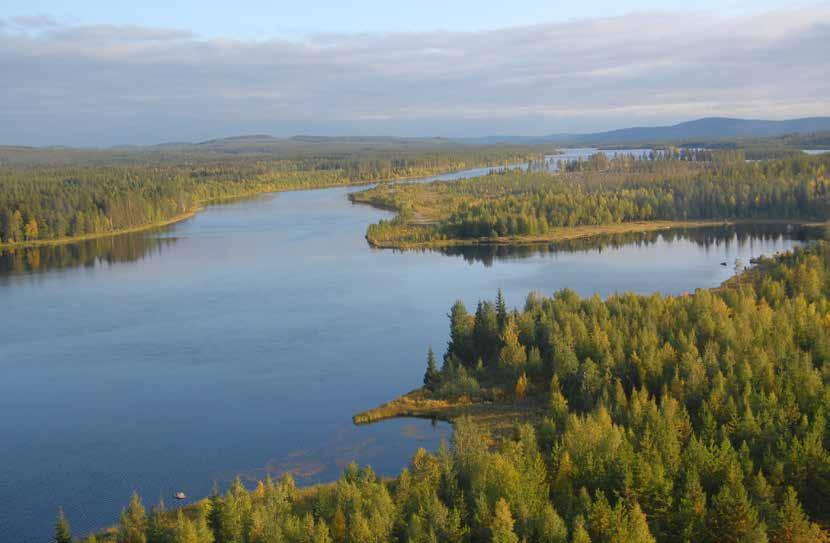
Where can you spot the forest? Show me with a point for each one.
(677, 187)
(42, 199)
(700, 417)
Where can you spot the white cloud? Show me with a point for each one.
(112, 84)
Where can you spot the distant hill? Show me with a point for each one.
(710, 128)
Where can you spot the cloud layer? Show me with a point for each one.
(104, 85)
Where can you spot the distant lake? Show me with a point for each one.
(241, 341)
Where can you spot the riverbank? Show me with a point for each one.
(266, 189)
(86, 237)
(574, 232)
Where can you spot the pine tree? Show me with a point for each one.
(461, 334)
(550, 528)
(431, 376)
(63, 532)
(158, 523)
(580, 534)
(339, 529)
(732, 519)
(691, 512)
(637, 530)
(558, 403)
(133, 525)
(501, 526)
(184, 531)
(793, 526)
(501, 310)
(512, 354)
(485, 338)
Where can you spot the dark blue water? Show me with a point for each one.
(241, 341)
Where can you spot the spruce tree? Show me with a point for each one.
(502, 524)
(431, 376)
(792, 525)
(501, 310)
(63, 532)
(512, 354)
(461, 334)
(133, 525)
(580, 534)
(691, 510)
(558, 403)
(339, 529)
(732, 518)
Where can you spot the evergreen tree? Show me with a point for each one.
(501, 310)
(501, 526)
(431, 377)
(486, 332)
(690, 518)
(460, 345)
(793, 526)
(732, 519)
(558, 403)
(184, 531)
(580, 534)
(550, 528)
(339, 530)
(521, 387)
(63, 533)
(133, 525)
(512, 354)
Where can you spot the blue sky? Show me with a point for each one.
(258, 19)
(105, 73)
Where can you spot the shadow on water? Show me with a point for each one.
(706, 237)
(89, 254)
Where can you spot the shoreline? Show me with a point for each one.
(88, 237)
(570, 233)
(203, 205)
(498, 416)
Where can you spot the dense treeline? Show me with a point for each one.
(699, 418)
(53, 202)
(606, 191)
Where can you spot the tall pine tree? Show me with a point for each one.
(63, 533)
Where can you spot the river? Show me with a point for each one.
(241, 341)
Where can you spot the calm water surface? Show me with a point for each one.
(241, 341)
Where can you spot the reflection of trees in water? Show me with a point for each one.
(89, 253)
(707, 237)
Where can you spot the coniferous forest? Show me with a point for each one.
(700, 417)
(693, 186)
(42, 198)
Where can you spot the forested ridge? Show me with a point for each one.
(49, 202)
(693, 418)
(692, 186)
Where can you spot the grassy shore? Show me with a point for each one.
(498, 417)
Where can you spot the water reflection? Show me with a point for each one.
(89, 254)
(706, 237)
